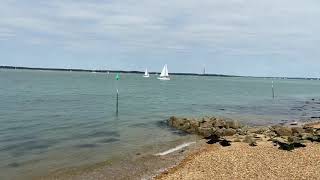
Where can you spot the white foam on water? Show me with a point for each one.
(175, 149)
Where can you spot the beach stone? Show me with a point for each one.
(233, 124)
(237, 139)
(218, 132)
(308, 129)
(250, 140)
(242, 131)
(194, 124)
(316, 138)
(294, 139)
(287, 145)
(297, 131)
(219, 123)
(282, 130)
(213, 139)
(225, 143)
(229, 132)
(259, 130)
(177, 122)
(306, 136)
(270, 134)
(206, 124)
(203, 131)
(185, 126)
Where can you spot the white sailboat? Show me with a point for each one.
(146, 74)
(164, 74)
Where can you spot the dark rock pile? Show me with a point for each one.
(224, 131)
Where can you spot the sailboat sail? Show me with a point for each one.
(164, 72)
(146, 73)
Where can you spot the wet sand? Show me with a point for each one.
(240, 161)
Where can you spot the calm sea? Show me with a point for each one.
(53, 120)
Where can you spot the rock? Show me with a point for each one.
(218, 132)
(306, 136)
(250, 140)
(219, 123)
(213, 139)
(286, 145)
(259, 130)
(308, 129)
(315, 138)
(298, 145)
(206, 123)
(194, 124)
(242, 131)
(282, 130)
(204, 131)
(233, 124)
(271, 134)
(184, 124)
(229, 132)
(296, 131)
(253, 144)
(225, 143)
(237, 139)
(293, 139)
(177, 122)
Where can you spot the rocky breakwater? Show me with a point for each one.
(225, 131)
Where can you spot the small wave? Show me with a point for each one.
(175, 149)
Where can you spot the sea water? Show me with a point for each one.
(54, 120)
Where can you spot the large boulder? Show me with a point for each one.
(296, 131)
(194, 125)
(183, 124)
(229, 132)
(206, 124)
(205, 132)
(220, 123)
(282, 130)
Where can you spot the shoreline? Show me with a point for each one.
(172, 162)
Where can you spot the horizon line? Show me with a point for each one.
(141, 72)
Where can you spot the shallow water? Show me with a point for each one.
(53, 120)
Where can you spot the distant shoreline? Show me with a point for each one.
(140, 72)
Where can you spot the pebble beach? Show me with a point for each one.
(241, 161)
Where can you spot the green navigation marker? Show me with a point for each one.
(117, 77)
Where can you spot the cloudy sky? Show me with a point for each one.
(240, 37)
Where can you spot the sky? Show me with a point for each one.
(236, 37)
